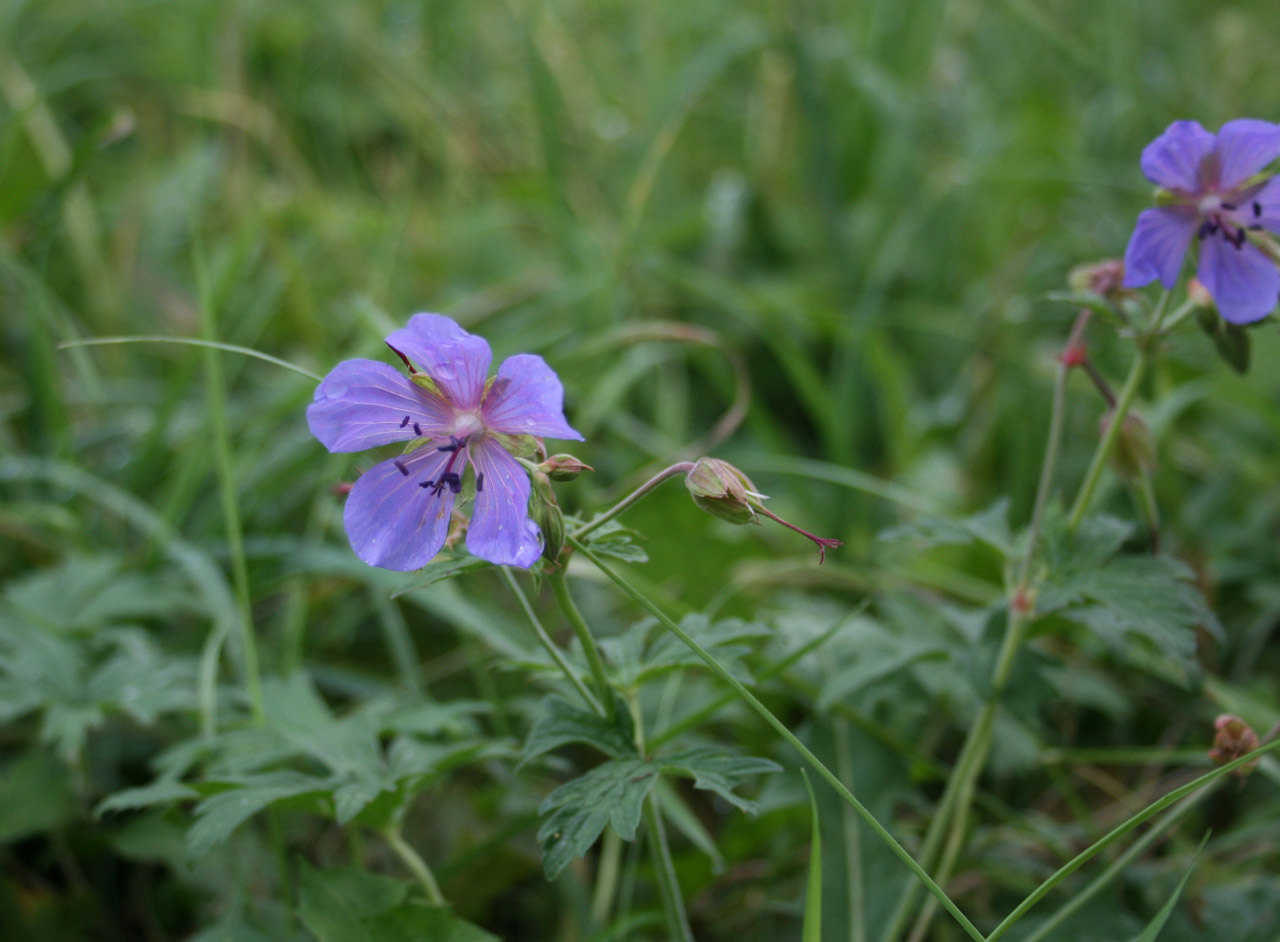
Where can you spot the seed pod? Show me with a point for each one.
(722, 490)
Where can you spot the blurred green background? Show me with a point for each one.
(854, 211)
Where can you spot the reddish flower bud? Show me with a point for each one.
(1234, 738)
(563, 467)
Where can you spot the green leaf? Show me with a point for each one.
(727, 639)
(612, 793)
(1153, 599)
(162, 792)
(84, 593)
(1152, 931)
(353, 905)
(1230, 340)
(613, 539)
(881, 654)
(713, 770)
(338, 905)
(219, 815)
(645, 651)
(562, 723)
(989, 526)
(687, 822)
(35, 796)
(233, 931)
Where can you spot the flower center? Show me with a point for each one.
(468, 425)
(1209, 204)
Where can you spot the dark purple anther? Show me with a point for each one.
(426, 483)
(1229, 207)
(454, 482)
(417, 429)
(405, 422)
(401, 467)
(479, 482)
(1257, 210)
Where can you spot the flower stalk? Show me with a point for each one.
(1124, 402)
(777, 725)
(604, 690)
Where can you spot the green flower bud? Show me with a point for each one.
(1134, 455)
(545, 511)
(722, 490)
(563, 467)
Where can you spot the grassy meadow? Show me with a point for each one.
(826, 242)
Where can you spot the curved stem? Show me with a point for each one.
(603, 688)
(767, 715)
(417, 866)
(556, 654)
(680, 467)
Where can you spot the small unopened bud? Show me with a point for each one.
(1134, 455)
(723, 491)
(545, 511)
(1105, 278)
(1198, 294)
(563, 467)
(1234, 738)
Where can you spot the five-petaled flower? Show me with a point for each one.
(1215, 191)
(398, 513)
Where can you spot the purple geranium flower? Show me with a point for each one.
(1214, 193)
(398, 513)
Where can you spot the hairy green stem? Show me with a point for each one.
(681, 467)
(556, 654)
(767, 715)
(1124, 402)
(951, 817)
(604, 689)
(417, 866)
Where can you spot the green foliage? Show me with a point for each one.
(1122, 599)
(824, 242)
(69, 651)
(646, 652)
(564, 723)
(352, 905)
(357, 778)
(614, 794)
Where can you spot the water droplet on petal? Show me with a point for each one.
(334, 390)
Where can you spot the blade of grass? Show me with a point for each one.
(812, 930)
(195, 342)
